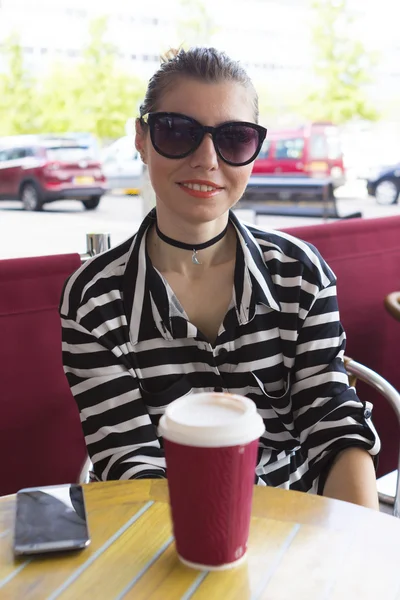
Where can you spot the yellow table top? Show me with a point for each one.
(301, 546)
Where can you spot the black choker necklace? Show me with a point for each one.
(193, 247)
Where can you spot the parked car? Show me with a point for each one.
(122, 165)
(312, 150)
(82, 138)
(384, 184)
(37, 170)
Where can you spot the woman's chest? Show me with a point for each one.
(205, 301)
(256, 370)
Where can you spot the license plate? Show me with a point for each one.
(83, 180)
(319, 166)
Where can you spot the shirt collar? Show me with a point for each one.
(253, 282)
(134, 284)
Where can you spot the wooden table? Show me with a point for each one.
(301, 547)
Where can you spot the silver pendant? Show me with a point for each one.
(195, 260)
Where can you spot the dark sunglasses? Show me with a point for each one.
(176, 136)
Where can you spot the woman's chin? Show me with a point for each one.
(197, 210)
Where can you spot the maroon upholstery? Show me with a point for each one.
(365, 256)
(41, 440)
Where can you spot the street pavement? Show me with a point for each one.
(62, 226)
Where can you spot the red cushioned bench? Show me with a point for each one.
(41, 440)
(365, 256)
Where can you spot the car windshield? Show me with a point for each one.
(68, 153)
(326, 145)
(289, 149)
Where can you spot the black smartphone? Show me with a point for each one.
(50, 519)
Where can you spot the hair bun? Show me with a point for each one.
(170, 54)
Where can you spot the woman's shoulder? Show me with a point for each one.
(283, 252)
(98, 275)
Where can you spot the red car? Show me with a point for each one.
(37, 171)
(309, 151)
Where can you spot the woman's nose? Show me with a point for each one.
(205, 155)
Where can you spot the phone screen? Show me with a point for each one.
(50, 519)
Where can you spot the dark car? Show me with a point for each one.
(37, 171)
(384, 184)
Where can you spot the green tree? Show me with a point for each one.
(196, 26)
(95, 96)
(19, 108)
(342, 67)
(58, 96)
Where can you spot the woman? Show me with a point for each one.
(197, 301)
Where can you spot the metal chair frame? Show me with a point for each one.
(356, 371)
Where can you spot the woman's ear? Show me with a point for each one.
(140, 140)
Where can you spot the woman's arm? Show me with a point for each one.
(352, 478)
(121, 440)
(334, 426)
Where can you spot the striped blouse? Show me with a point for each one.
(129, 350)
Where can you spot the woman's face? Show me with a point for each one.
(210, 104)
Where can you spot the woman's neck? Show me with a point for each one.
(166, 257)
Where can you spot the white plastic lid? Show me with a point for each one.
(211, 420)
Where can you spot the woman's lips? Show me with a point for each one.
(200, 189)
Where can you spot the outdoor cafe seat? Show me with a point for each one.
(382, 387)
(364, 254)
(41, 440)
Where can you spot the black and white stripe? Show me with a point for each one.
(129, 350)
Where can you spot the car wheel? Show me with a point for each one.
(30, 197)
(92, 203)
(387, 192)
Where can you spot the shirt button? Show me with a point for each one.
(222, 351)
(367, 413)
(218, 389)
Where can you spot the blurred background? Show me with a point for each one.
(73, 73)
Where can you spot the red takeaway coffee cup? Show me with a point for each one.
(211, 443)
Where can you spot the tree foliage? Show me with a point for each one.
(342, 67)
(94, 95)
(196, 26)
(18, 102)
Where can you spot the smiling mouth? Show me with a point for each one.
(200, 187)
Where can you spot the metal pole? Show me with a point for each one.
(325, 200)
(97, 242)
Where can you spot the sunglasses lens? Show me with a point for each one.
(237, 143)
(174, 135)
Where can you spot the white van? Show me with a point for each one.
(122, 165)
